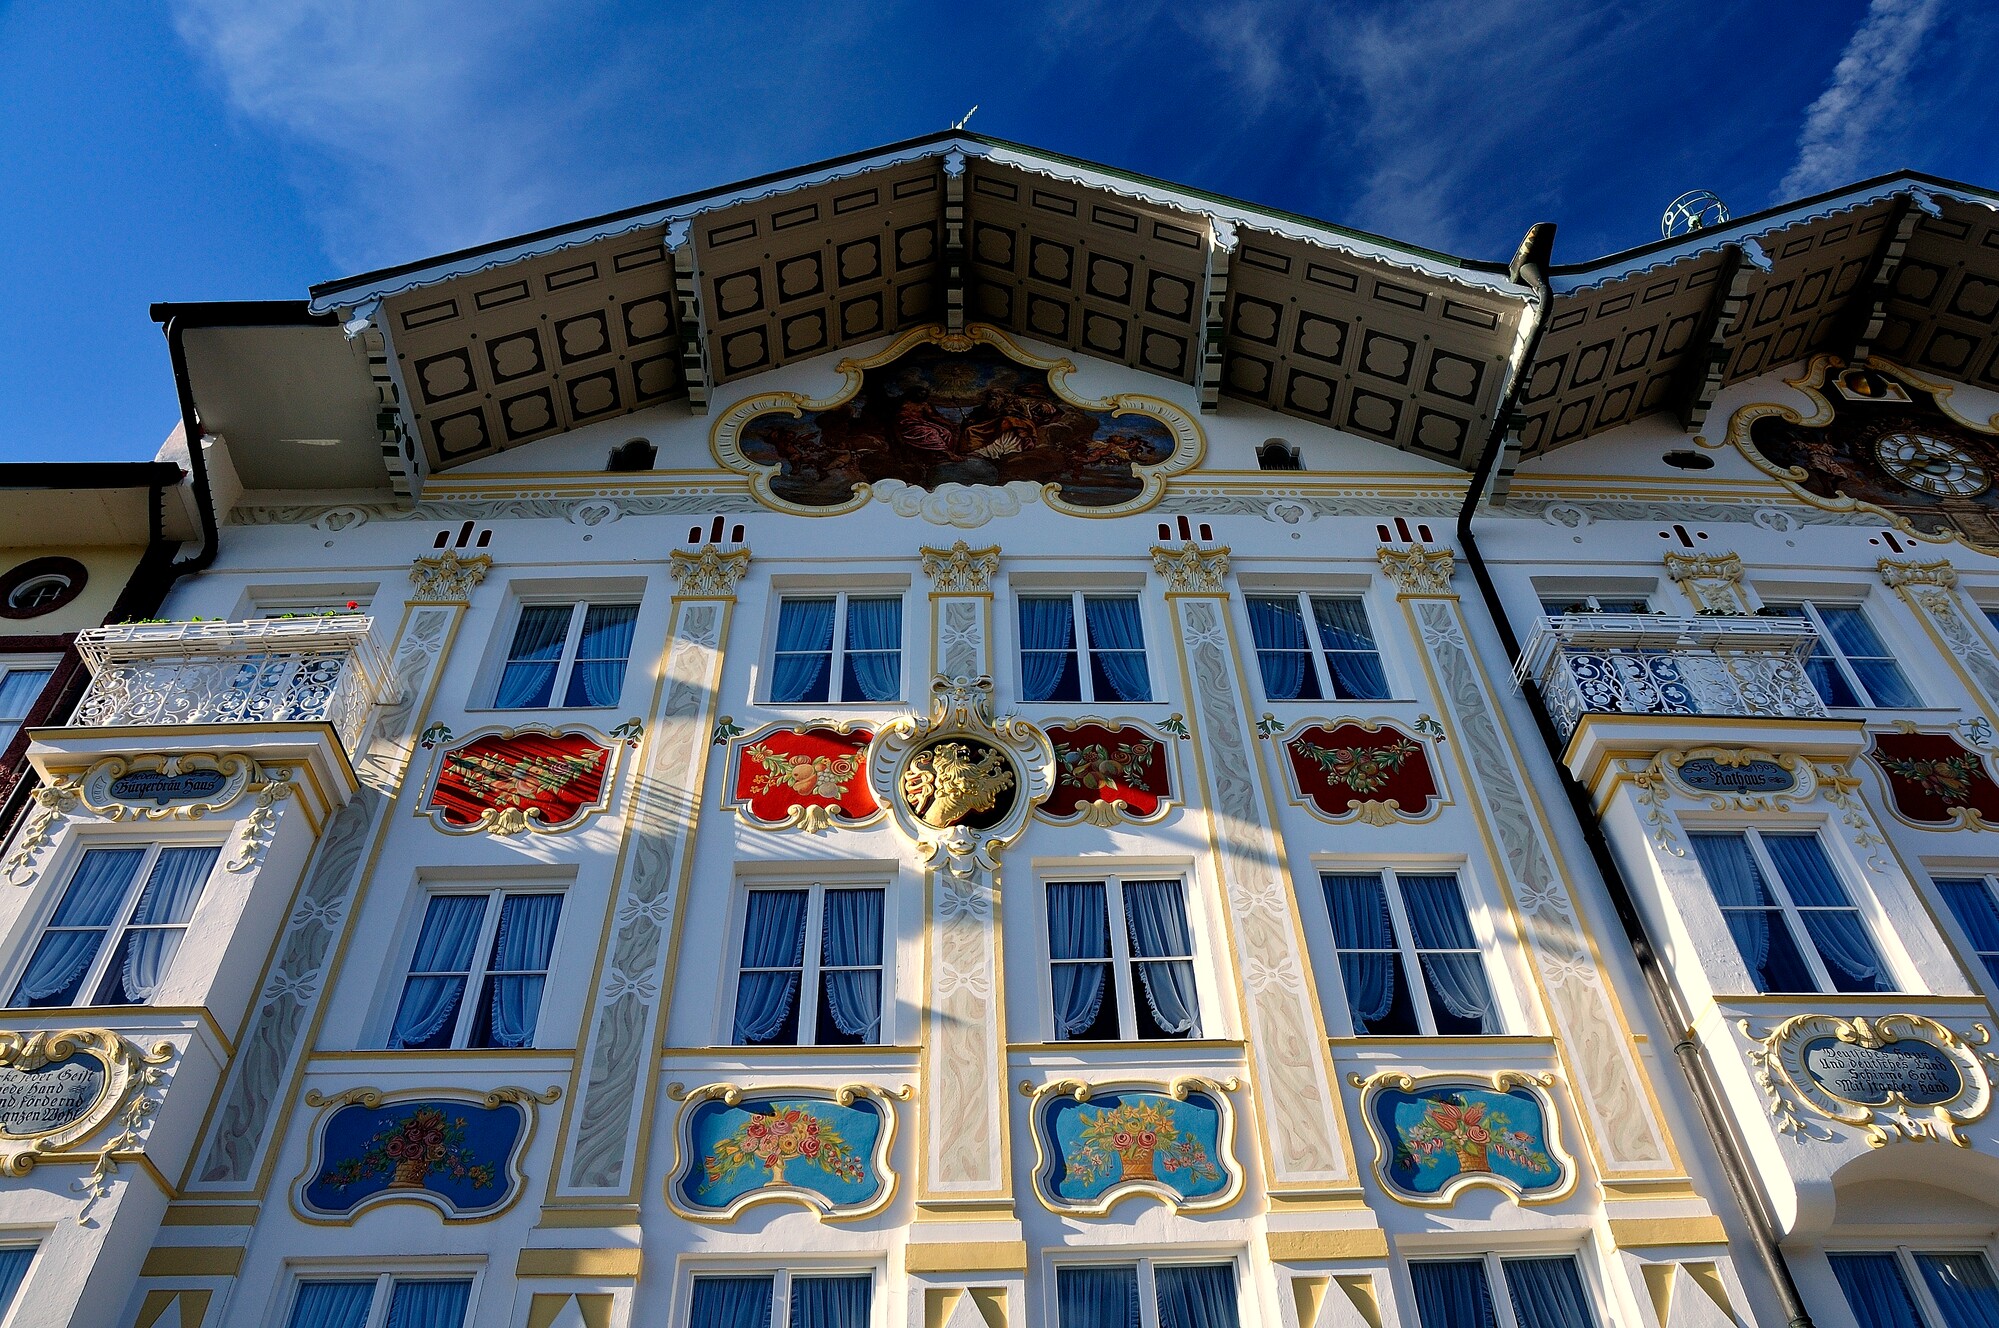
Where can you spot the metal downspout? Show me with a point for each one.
(1530, 268)
(197, 463)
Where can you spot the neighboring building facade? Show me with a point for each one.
(921, 742)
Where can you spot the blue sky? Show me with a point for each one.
(242, 149)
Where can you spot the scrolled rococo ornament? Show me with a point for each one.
(708, 573)
(1900, 1076)
(58, 1089)
(1713, 581)
(1899, 572)
(446, 578)
(1417, 570)
(961, 569)
(1191, 569)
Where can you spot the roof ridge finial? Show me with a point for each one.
(966, 118)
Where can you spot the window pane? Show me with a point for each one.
(1282, 654)
(1370, 964)
(147, 948)
(1085, 998)
(332, 1304)
(18, 690)
(1048, 649)
(1972, 904)
(516, 971)
(1196, 1295)
(1156, 924)
(428, 1014)
(1830, 919)
(850, 975)
(730, 1302)
(1117, 649)
(1763, 937)
(1097, 1297)
(1876, 1291)
(1827, 679)
(1962, 1286)
(90, 904)
(598, 677)
(1447, 949)
(831, 1302)
(802, 667)
(1351, 656)
(536, 654)
(1452, 1294)
(428, 1304)
(873, 670)
(14, 1261)
(1547, 1293)
(772, 964)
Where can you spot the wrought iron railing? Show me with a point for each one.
(272, 670)
(1650, 664)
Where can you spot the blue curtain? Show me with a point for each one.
(1876, 1291)
(520, 968)
(1078, 928)
(18, 690)
(1117, 648)
(773, 938)
(1963, 1288)
(1156, 917)
(1437, 916)
(428, 1304)
(1351, 654)
(1365, 936)
(830, 1302)
(1827, 680)
(1047, 646)
(803, 661)
(1760, 934)
(90, 903)
(731, 1302)
(1870, 660)
(1282, 653)
(1971, 901)
(444, 950)
(157, 923)
(1196, 1296)
(1829, 914)
(1097, 1297)
(14, 1261)
(874, 650)
(599, 675)
(332, 1304)
(1452, 1294)
(1547, 1293)
(529, 678)
(853, 936)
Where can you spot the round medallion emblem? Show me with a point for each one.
(959, 781)
(1931, 465)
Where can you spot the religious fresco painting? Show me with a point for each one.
(1374, 772)
(1441, 1137)
(1886, 440)
(794, 1145)
(1150, 1141)
(509, 782)
(453, 1154)
(935, 416)
(1100, 766)
(1935, 780)
(805, 776)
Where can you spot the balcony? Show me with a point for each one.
(269, 671)
(1650, 664)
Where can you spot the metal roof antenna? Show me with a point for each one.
(966, 118)
(1695, 210)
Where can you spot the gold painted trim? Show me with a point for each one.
(1781, 1072)
(812, 820)
(1041, 1095)
(1632, 1233)
(685, 1160)
(971, 1256)
(193, 1261)
(623, 1216)
(1501, 1081)
(620, 1263)
(129, 1070)
(210, 1215)
(1326, 1243)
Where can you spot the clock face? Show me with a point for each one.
(1931, 465)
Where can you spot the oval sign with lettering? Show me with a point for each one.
(160, 789)
(1711, 776)
(50, 1098)
(1873, 1076)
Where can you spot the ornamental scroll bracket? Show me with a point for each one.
(1713, 581)
(446, 578)
(90, 1076)
(1899, 1076)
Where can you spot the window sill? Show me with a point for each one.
(540, 710)
(448, 1053)
(1149, 1045)
(726, 1052)
(1404, 1042)
(830, 705)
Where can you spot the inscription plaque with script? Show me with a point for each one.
(51, 1098)
(1917, 1071)
(1711, 776)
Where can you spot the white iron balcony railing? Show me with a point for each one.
(272, 670)
(1649, 664)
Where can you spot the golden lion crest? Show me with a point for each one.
(944, 784)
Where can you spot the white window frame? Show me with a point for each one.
(1982, 975)
(482, 954)
(810, 969)
(1495, 1281)
(1780, 890)
(1810, 606)
(1316, 644)
(25, 663)
(837, 663)
(114, 935)
(579, 608)
(1124, 983)
(378, 1303)
(1079, 625)
(1912, 1277)
(1148, 1285)
(780, 1293)
(1594, 599)
(1405, 943)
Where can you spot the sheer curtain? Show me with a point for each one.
(1963, 1288)
(774, 942)
(1828, 912)
(529, 678)
(1196, 1296)
(1047, 646)
(1365, 936)
(1351, 655)
(1117, 648)
(428, 1304)
(731, 1302)
(332, 1304)
(831, 1302)
(1156, 917)
(1078, 928)
(14, 1261)
(1876, 1291)
(1097, 1297)
(1448, 949)
(601, 654)
(1282, 653)
(1971, 903)
(436, 984)
(1547, 1293)
(874, 650)
(519, 968)
(89, 907)
(1452, 1294)
(1759, 931)
(1869, 659)
(803, 661)
(18, 690)
(157, 924)
(850, 957)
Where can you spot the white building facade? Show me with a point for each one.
(957, 739)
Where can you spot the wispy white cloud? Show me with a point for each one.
(1842, 128)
